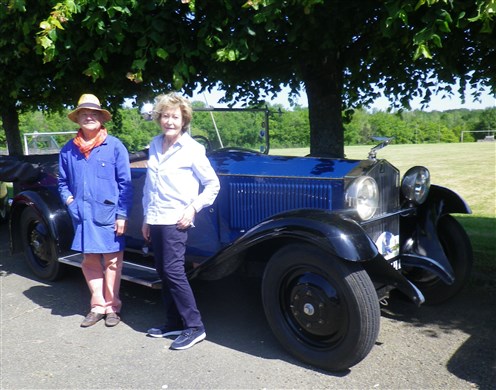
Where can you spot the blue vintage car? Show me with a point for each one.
(328, 238)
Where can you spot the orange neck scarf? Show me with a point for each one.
(85, 147)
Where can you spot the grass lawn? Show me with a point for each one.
(469, 169)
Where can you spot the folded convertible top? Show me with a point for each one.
(24, 169)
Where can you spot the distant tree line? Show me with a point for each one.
(288, 128)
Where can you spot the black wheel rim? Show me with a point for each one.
(39, 244)
(313, 308)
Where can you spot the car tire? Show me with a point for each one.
(323, 310)
(458, 250)
(39, 246)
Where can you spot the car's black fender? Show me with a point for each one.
(48, 206)
(340, 236)
(420, 243)
(446, 201)
(337, 235)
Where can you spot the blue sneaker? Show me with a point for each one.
(164, 331)
(188, 338)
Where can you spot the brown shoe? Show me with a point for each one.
(91, 319)
(112, 319)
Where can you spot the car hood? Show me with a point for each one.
(257, 164)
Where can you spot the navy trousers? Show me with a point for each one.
(169, 246)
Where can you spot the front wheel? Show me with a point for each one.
(323, 310)
(458, 250)
(40, 248)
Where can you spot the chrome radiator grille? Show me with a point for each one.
(388, 181)
(387, 178)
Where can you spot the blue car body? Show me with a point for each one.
(328, 238)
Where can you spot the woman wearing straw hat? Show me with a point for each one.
(95, 184)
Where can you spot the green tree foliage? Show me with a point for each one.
(134, 132)
(238, 129)
(39, 122)
(487, 120)
(342, 52)
(3, 143)
(288, 129)
(25, 81)
(29, 83)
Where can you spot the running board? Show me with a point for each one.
(131, 272)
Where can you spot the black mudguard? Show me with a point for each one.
(383, 273)
(420, 242)
(341, 237)
(49, 208)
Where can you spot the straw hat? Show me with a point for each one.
(90, 102)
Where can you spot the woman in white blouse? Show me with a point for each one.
(177, 166)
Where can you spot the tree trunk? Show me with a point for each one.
(324, 86)
(10, 120)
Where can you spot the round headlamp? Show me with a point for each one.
(415, 184)
(363, 196)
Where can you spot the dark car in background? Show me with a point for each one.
(329, 239)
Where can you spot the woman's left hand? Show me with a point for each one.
(187, 219)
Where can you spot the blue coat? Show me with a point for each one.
(102, 191)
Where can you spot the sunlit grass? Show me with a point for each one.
(469, 169)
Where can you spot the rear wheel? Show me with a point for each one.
(39, 246)
(458, 250)
(323, 310)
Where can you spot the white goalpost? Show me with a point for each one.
(489, 134)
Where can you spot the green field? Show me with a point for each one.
(469, 169)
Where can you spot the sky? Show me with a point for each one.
(437, 102)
